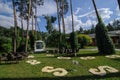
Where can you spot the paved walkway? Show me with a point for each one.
(97, 49)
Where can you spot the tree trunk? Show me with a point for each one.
(63, 22)
(15, 27)
(119, 3)
(98, 17)
(74, 49)
(32, 23)
(22, 28)
(58, 15)
(72, 16)
(26, 47)
(35, 33)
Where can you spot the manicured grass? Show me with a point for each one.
(25, 71)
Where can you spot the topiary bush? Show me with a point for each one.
(74, 42)
(32, 41)
(53, 40)
(104, 42)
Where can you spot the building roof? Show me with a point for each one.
(110, 33)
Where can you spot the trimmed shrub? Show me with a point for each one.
(104, 42)
(73, 42)
(53, 40)
(32, 41)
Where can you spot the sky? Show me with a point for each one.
(84, 14)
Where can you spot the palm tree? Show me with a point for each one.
(58, 16)
(72, 15)
(21, 4)
(97, 14)
(74, 41)
(64, 10)
(15, 25)
(28, 18)
(119, 3)
(34, 4)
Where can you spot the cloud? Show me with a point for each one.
(77, 24)
(5, 8)
(8, 21)
(77, 11)
(117, 11)
(105, 13)
(6, 13)
(48, 8)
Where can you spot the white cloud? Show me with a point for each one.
(105, 13)
(77, 24)
(8, 21)
(5, 8)
(48, 8)
(117, 11)
(77, 11)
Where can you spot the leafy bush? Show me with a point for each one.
(84, 40)
(104, 43)
(5, 44)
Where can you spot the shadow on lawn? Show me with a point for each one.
(89, 54)
(86, 77)
(117, 59)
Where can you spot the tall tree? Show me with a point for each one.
(34, 4)
(21, 8)
(50, 20)
(15, 26)
(72, 16)
(28, 18)
(58, 16)
(119, 3)
(104, 43)
(74, 41)
(80, 30)
(64, 10)
(92, 30)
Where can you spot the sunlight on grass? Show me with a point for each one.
(24, 70)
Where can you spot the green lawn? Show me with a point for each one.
(25, 71)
